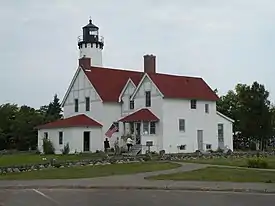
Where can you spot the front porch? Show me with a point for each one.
(142, 127)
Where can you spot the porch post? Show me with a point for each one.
(124, 129)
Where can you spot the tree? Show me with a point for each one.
(54, 109)
(7, 114)
(17, 124)
(25, 134)
(250, 108)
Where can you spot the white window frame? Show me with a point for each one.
(131, 103)
(193, 104)
(60, 132)
(155, 125)
(149, 100)
(76, 105)
(87, 106)
(207, 146)
(206, 108)
(148, 128)
(181, 127)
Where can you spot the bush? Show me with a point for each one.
(257, 163)
(219, 150)
(48, 147)
(66, 149)
(147, 157)
(162, 152)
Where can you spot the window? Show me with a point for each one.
(146, 127)
(60, 137)
(220, 132)
(181, 125)
(208, 146)
(132, 104)
(182, 147)
(46, 135)
(148, 99)
(117, 125)
(87, 99)
(76, 105)
(193, 104)
(206, 108)
(152, 127)
(149, 128)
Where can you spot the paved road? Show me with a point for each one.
(130, 197)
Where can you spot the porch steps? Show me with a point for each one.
(135, 150)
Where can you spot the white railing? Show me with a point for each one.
(100, 38)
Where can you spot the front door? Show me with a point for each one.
(86, 141)
(200, 140)
(138, 137)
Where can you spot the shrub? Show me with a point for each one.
(66, 149)
(147, 157)
(48, 147)
(161, 152)
(257, 163)
(219, 150)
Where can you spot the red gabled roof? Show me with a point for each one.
(172, 86)
(76, 121)
(110, 82)
(140, 115)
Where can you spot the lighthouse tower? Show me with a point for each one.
(90, 44)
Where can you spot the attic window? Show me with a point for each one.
(76, 105)
(131, 104)
(148, 99)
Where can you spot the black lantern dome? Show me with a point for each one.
(90, 36)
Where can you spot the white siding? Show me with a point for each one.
(227, 130)
(81, 89)
(195, 119)
(73, 136)
(111, 113)
(126, 98)
(91, 51)
(156, 108)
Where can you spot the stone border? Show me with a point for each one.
(52, 163)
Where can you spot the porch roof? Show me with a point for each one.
(75, 121)
(140, 115)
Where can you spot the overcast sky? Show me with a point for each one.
(225, 42)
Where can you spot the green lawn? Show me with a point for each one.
(21, 159)
(221, 174)
(240, 162)
(91, 171)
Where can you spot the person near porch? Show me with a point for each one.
(116, 144)
(129, 143)
(106, 145)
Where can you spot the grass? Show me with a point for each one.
(221, 174)
(239, 162)
(21, 159)
(91, 171)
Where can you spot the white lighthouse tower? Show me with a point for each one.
(90, 44)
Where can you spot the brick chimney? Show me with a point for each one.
(85, 62)
(149, 63)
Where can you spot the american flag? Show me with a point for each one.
(111, 130)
